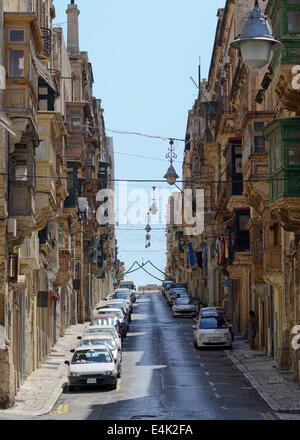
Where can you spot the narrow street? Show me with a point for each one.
(165, 377)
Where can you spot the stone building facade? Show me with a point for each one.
(242, 145)
(56, 260)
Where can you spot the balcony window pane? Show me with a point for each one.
(293, 2)
(16, 63)
(294, 154)
(259, 144)
(41, 150)
(294, 134)
(278, 162)
(294, 21)
(21, 173)
(43, 105)
(16, 36)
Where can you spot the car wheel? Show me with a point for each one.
(119, 373)
(114, 386)
(71, 388)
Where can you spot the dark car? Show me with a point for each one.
(172, 294)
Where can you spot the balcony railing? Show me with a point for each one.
(47, 40)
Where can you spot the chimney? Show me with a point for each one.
(73, 33)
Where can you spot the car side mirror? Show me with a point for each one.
(194, 326)
(72, 351)
(79, 337)
(67, 362)
(115, 361)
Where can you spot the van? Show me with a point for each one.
(127, 285)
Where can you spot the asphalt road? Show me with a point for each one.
(165, 378)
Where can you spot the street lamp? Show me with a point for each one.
(171, 174)
(256, 40)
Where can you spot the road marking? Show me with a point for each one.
(211, 384)
(217, 396)
(61, 409)
(267, 416)
(207, 373)
(118, 384)
(202, 364)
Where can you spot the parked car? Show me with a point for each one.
(107, 339)
(184, 307)
(181, 294)
(121, 307)
(172, 293)
(165, 284)
(92, 366)
(104, 319)
(123, 294)
(131, 286)
(212, 331)
(121, 303)
(114, 311)
(127, 285)
(95, 330)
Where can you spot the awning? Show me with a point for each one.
(54, 296)
(44, 73)
(6, 123)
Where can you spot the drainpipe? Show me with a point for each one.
(1, 51)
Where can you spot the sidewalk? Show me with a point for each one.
(39, 392)
(276, 388)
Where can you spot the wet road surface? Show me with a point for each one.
(165, 378)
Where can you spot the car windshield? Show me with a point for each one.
(123, 295)
(212, 322)
(92, 355)
(108, 311)
(181, 301)
(109, 342)
(127, 286)
(110, 330)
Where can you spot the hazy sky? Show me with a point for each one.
(143, 54)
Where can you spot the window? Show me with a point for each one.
(259, 144)
(258, 126)
(294, 21)
(16, 63)
(41, 150)
(91, 356)
(294, 154)
(212, 323)
(16, 36)
(243, 220)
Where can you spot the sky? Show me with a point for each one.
(143, 54)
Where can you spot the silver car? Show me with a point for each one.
(212, 331)
(95, 330)
(184, 307)
(92, 366)
(107, 339)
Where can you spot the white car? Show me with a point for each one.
(107, 339)
(184, 307)
(95, 330)
(92, 366)
(212, 331)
